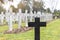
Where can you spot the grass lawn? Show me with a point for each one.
(51, 32)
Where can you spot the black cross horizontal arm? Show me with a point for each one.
(33, 24)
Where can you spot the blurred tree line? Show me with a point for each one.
(37, 6)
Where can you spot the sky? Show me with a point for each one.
(52, 4)
(55, 4)
(16, 2)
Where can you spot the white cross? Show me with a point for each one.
(10, 23)
(2, 18)
(26, 15)
(19, 18)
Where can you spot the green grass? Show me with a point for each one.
(29, 35)
(50, 32)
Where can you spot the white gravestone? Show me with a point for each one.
(10, 23)
(38, 14)
(26, 15)
(23, 17)
(31, 16)
(2, 18)
(16, 17)
(43, 17)
(7, 16)
(13, 17)
(10, 20)
(19, 19)
(35, 14)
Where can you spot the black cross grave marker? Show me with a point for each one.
(37, 25)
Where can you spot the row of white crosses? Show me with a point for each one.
(10, 17)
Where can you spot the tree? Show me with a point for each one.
(48, 10)
(14, 9)
(1, 1)
(57, 13)
(23, 7)
(38, 6)
(1, 9)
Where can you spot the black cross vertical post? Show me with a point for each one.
(37, 25)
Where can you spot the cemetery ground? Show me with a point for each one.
(50, 32)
